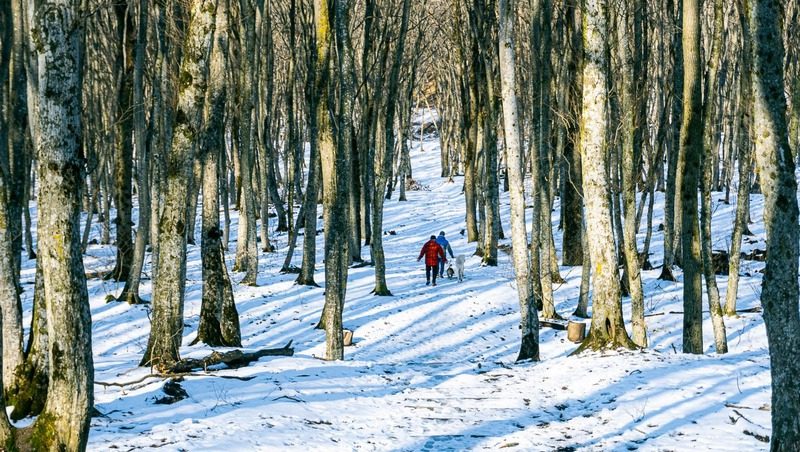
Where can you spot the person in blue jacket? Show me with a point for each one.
(442, 241)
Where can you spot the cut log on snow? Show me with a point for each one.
(233, 359)
(576, 332)
(347, 337)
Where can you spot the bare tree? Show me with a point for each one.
(529, 323)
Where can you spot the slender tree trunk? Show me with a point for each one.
(706, 183)
(529, 322)
(130, 292)
(246, 246)
(672, 228)
(385, 156)
(630, 124)
(19, 155)
(691, 150)
(123, 152)
(739, 225)
(571, 195)
(583, 298)
(470, 170)
(335, 175)
(316, 85)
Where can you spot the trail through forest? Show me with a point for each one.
(431, 368)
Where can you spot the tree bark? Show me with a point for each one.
(246, 246)
(707, 181)
(29, 393)
(169, 287)
(691, 150)
(571, 194)
(385, 155)
(607, 327)
(779, 292)
(335, 178)
(130, 293)
(123, 152)
(64, 422)
(10, 189)
(529, 322)
(219, 319)
(631, 122)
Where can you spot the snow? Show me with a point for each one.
(432, 368)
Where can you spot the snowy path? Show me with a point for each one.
(432, 368)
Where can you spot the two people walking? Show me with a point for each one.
(435, 252)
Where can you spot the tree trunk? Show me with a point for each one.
(246, 246)
(583, 297)
(779, 292)
(166, 331)
(30, 390)
(739, 225)
(691, 150)
(529, 322)
(64, 422)
(19, 156)
(335, 176)
(385, 155)
(743, 133)
(671, 227)
(123, 152)
(10, 189)
(607, 327)
(130, 292)
(571, 194)
(631, 122)
(219, 319)
(706, 183)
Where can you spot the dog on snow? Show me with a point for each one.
(459, 267)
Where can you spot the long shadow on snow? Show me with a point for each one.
(473, 437)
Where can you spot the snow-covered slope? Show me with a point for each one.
(432, 368)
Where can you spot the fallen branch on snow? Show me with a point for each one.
(754, 309)
(233, 359)
(166, 376)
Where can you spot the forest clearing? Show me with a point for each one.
(431, 368)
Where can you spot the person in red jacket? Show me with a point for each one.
(432, 252)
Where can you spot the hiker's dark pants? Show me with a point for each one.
(441, 268)
(431, 269)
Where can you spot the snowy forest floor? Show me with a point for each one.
(432, 368)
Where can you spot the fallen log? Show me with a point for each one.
(233, 359)
(166, 376)
(554, 324)
(754, 309)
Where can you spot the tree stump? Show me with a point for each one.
(576, 331)
(348, 338)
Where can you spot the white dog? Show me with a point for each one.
(460, 267)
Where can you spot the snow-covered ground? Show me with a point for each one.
(432, 368)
